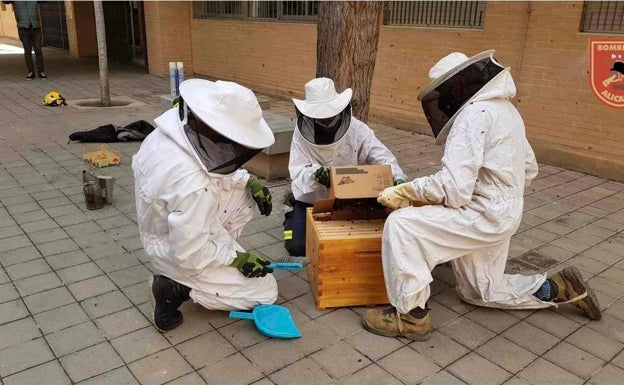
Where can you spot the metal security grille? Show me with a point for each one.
(453, 14)
(299, 10)
(262, 9)
(603, 16)
(53, 24)
(218, 10)
(257, 10)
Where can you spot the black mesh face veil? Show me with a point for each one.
(218, 153)
(442, 102)
(318, 133)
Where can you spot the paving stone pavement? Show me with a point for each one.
(73, 297)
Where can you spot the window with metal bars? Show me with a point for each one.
(603, 16)
(443, 14)
(217, 10)
(304, 11)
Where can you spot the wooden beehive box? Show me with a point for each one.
(345, 261)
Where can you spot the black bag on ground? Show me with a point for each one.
(107, 133)
(135, 131)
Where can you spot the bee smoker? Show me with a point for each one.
(97, 189)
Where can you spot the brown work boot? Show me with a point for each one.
(390, 323)
(572, 289)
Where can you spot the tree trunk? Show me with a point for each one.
(347, 37)
(100, 31)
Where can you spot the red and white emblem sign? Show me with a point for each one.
(606, 70)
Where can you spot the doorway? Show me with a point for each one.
(125, 32)
(53, 24)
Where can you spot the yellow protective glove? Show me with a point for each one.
(393, 197)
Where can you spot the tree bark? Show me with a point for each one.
(347, 39)
(100, 31)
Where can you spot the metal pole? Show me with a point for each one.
(100, 31)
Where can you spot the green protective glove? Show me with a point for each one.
(261, 195)
(398, 181)
(321, 175)
(251, 265)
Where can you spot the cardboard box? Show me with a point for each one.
(355, 182)
(367, 181)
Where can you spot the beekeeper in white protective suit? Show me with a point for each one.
(193, 200)
(326, 135)
(472, 206)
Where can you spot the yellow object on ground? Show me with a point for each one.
(101, 158)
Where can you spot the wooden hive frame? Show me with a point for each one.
(345, 261)
(101, 157)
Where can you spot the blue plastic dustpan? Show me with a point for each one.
(271, 320)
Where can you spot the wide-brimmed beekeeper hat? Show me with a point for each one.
(456, 80)
(229, 109)
(322, 101)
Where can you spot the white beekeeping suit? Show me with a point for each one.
(192, 198)
(475, 200)
(326, 136)
(354, 142)
(472, 207)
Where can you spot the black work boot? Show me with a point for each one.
(167, 295)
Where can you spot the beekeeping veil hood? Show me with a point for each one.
(324, 117)
(223, 122)
(457, 80)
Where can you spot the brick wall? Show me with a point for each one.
(168, 30)
(8, 26)
(70, 20)
(85, 38)
(406, 54)
(281, 57)
(259, 55)
(277, 58)
(566, 123)
(540, 41)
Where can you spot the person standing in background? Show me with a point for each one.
(29, 30)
